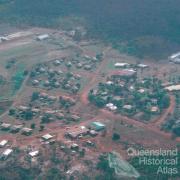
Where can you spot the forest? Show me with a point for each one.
(138, 27)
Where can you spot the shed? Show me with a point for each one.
(47, 137)
(27, 131)
(6, 153)
(97, 126)
(3, 143)
(33, 153)
(42, 37)
(5, 126)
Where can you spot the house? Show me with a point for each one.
(43, 95)
(52, 98)
(124, 73)
(77, 133)
(3, 143)
(75, 117)
(6, 153)
(142, 66)
(93, 133)
(60, 115)
(127, 107)
(26, 131)
(154, 101)
(35, 82)
(173, 56)
(16, 128)
(121, 65)
(109, 83)
(111, 106)
(33, 153)
(97, 126)
(5, 126)
(87, 67)
(57, 62)
(23, 108)
(42, 37)
(75, 146)
(47, 137)
(79, 65)
(141, 90)
(154, 109)
(35, 110)
(173, 88)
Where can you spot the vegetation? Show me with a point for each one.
(173, 122)
(143, 97)
(143, 28)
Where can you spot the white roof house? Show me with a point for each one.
(47, 137)
(173, 88)
(33, 153)
(173, 56)
(128, 107)
(7, 152)
(142, 65)
(154, 109)
(119, 65)
(3, 143)
(43, 37)
(111, 106)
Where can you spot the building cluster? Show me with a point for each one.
(48, 77)
(124, 93)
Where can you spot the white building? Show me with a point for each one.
(7, 153)
(42, 37)
(47, 137)
(121, 65)
(33, 153)
(3, 143)
(173, 88)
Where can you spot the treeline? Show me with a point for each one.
(146, 28)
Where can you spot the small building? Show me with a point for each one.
(78, 133)
(154, 109)
(33, 153)
(87, 67)
(124, 73)
(7, 153)
(109, 83)
(60, 115)
(23, 108)
(35, 110)
(57, 62)
(111, 106)
(173, 88)
(93, 133)
(173, 56)
(16, 128)
(26, 131)
(75, 117)
(75, 146)
(47, 137)
(3, 143)
(142, 66)
(121, 65)
(5, 126)
(42, 37)
(97, 126)
(127, 107)
(141, 90)
(35, 82)
(52, 98)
